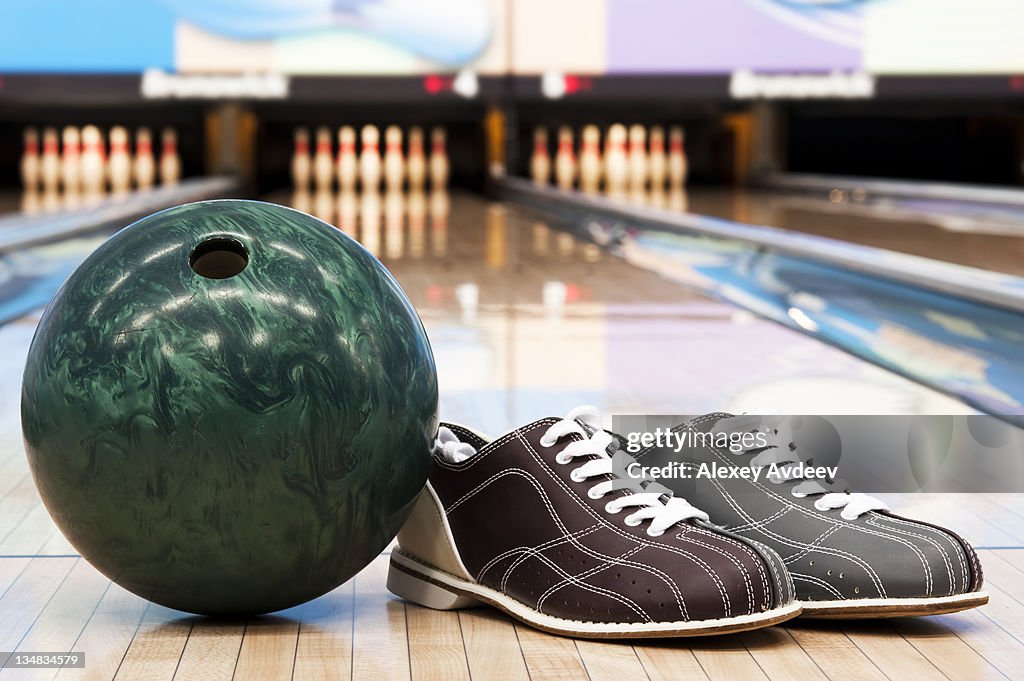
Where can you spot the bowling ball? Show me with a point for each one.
(228, 408)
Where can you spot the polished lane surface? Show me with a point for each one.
(528, 322)
(976, 243)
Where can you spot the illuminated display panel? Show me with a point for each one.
(519, 37)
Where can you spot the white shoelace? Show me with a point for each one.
(651, 506)
(779, 438)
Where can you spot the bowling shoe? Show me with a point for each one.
(536, 524)
(848, 555)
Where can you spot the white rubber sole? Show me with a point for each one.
(422, 584)
(893, 607)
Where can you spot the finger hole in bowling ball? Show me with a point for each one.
(218, 258)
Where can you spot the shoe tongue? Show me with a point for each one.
(451, 448)
(615, 445)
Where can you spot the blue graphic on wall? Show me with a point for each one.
(836, 21)
(130, 36)
(72, 36)
(450, 32)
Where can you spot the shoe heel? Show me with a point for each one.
(418, 590)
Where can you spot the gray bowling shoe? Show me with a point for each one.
(848, 555)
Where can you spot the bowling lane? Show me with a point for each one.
(987, 244)
(526, 321)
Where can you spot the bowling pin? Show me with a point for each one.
(616, 161)
(144, 166)
(565, 159)
(71, 199)
(590, 160)
(301, 200)
(31, 201)
(70, 161)
(348, 162)
(369, 158)
(416, 163)
(657, 197)
(678, 199)
(394, 159)
(438, 159)
(30, 161)
(637, 159)
(49, 164)
(417, 209)
(92, 162)
(369, 221)
(170, 162)
(323, 161)
(348, 210)
(394, 227)
(657, 162)
(119, 164)
(540, 161)
(439, 209)
(323, 204)
(302, 167)
(678, 167)
(50, 200)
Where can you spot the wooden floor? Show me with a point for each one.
(525, 324)
(360, 631)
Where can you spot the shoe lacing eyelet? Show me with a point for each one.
(610, 507)
(559, 458)
(592, 494)
(654, 534)
(575, 476)
(632, 522)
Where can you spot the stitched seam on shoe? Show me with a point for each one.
(726, 602)
(594, 553)
(773, 517)
(873, 520)
(948, 536)
(732, 559)
(541, 547)
(783, 500)
(814, 545)
(873, 575)
(669, 581)
(819, 582)
(775, 570)
(526, 552)
(578, 580)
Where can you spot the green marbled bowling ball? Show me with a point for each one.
(228, 407)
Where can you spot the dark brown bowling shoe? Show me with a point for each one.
(848, 555)
(535, 524)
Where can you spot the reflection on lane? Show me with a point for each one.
(968, 349)
(525, 319)
(362, 215)
(942, 235)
